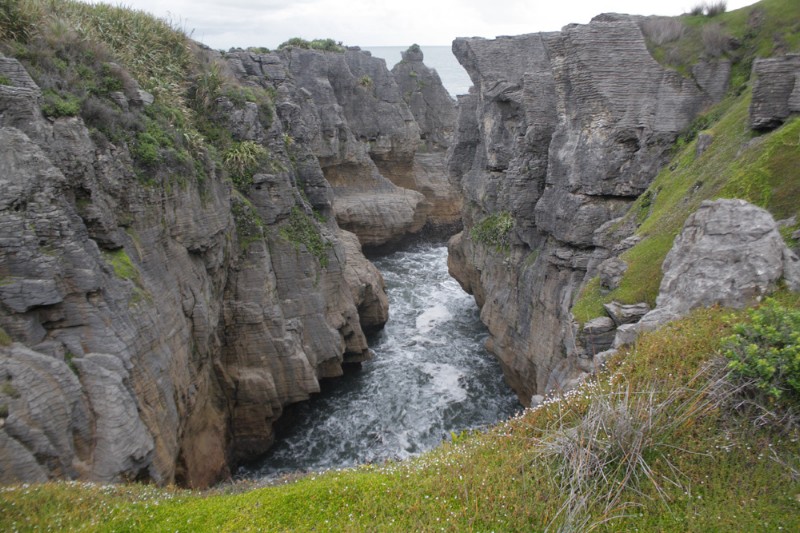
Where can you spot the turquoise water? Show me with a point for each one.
(454, 77)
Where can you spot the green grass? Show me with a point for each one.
(249, 226)
(495, 480)
(123, 267)
(493, 230)
(760, 170)
(5, 338)
(761, 30)
(301, 230)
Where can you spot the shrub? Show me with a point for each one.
(715, 41)
(494, 231)
(326, 45)
(366, 81)
(16, 20)
(249, 226)
(766, 352)
(716, 8)
(151, 143)
(207, 89)
(709, 9)
(242, 160)
(5, 80)
(60, 105)
(662, 30)
(301, 230)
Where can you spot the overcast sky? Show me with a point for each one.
(243, 23)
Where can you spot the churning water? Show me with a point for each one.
(430, 376)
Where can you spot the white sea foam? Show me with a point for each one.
(431, 375)
(432, 317)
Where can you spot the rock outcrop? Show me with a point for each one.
(563, 131)
(160, 326)
(729, 253)
(435, 113)
(348, 109)
(776, 94)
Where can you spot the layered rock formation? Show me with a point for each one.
(160, 323)
(348, 109)
(562, 132)
(776, 95)
(435, 113)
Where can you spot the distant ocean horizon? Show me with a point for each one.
(454, 78)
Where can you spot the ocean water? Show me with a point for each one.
(431, 376)
(454, 77)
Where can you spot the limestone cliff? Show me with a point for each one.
(435, 113)
(562, 132)
(348, 109)
(172, 272)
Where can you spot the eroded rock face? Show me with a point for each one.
(347, 109)
(776, 93)
(435, 113)
(564, 130)
(159, 330)
(433, 108)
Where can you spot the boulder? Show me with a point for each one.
(611, 271)
(729, 253)
(598, 335)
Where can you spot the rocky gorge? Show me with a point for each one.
(182, 254)
(177, 269)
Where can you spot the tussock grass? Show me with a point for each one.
(662, 30)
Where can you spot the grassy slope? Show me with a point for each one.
(497, 480)
(502, 480)
(738, 164)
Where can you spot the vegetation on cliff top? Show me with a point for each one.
(652, 445)
(325, 45)
(767, 28)
(668, 451)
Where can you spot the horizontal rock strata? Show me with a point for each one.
(563, 131)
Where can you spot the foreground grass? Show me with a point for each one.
(710, 472)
